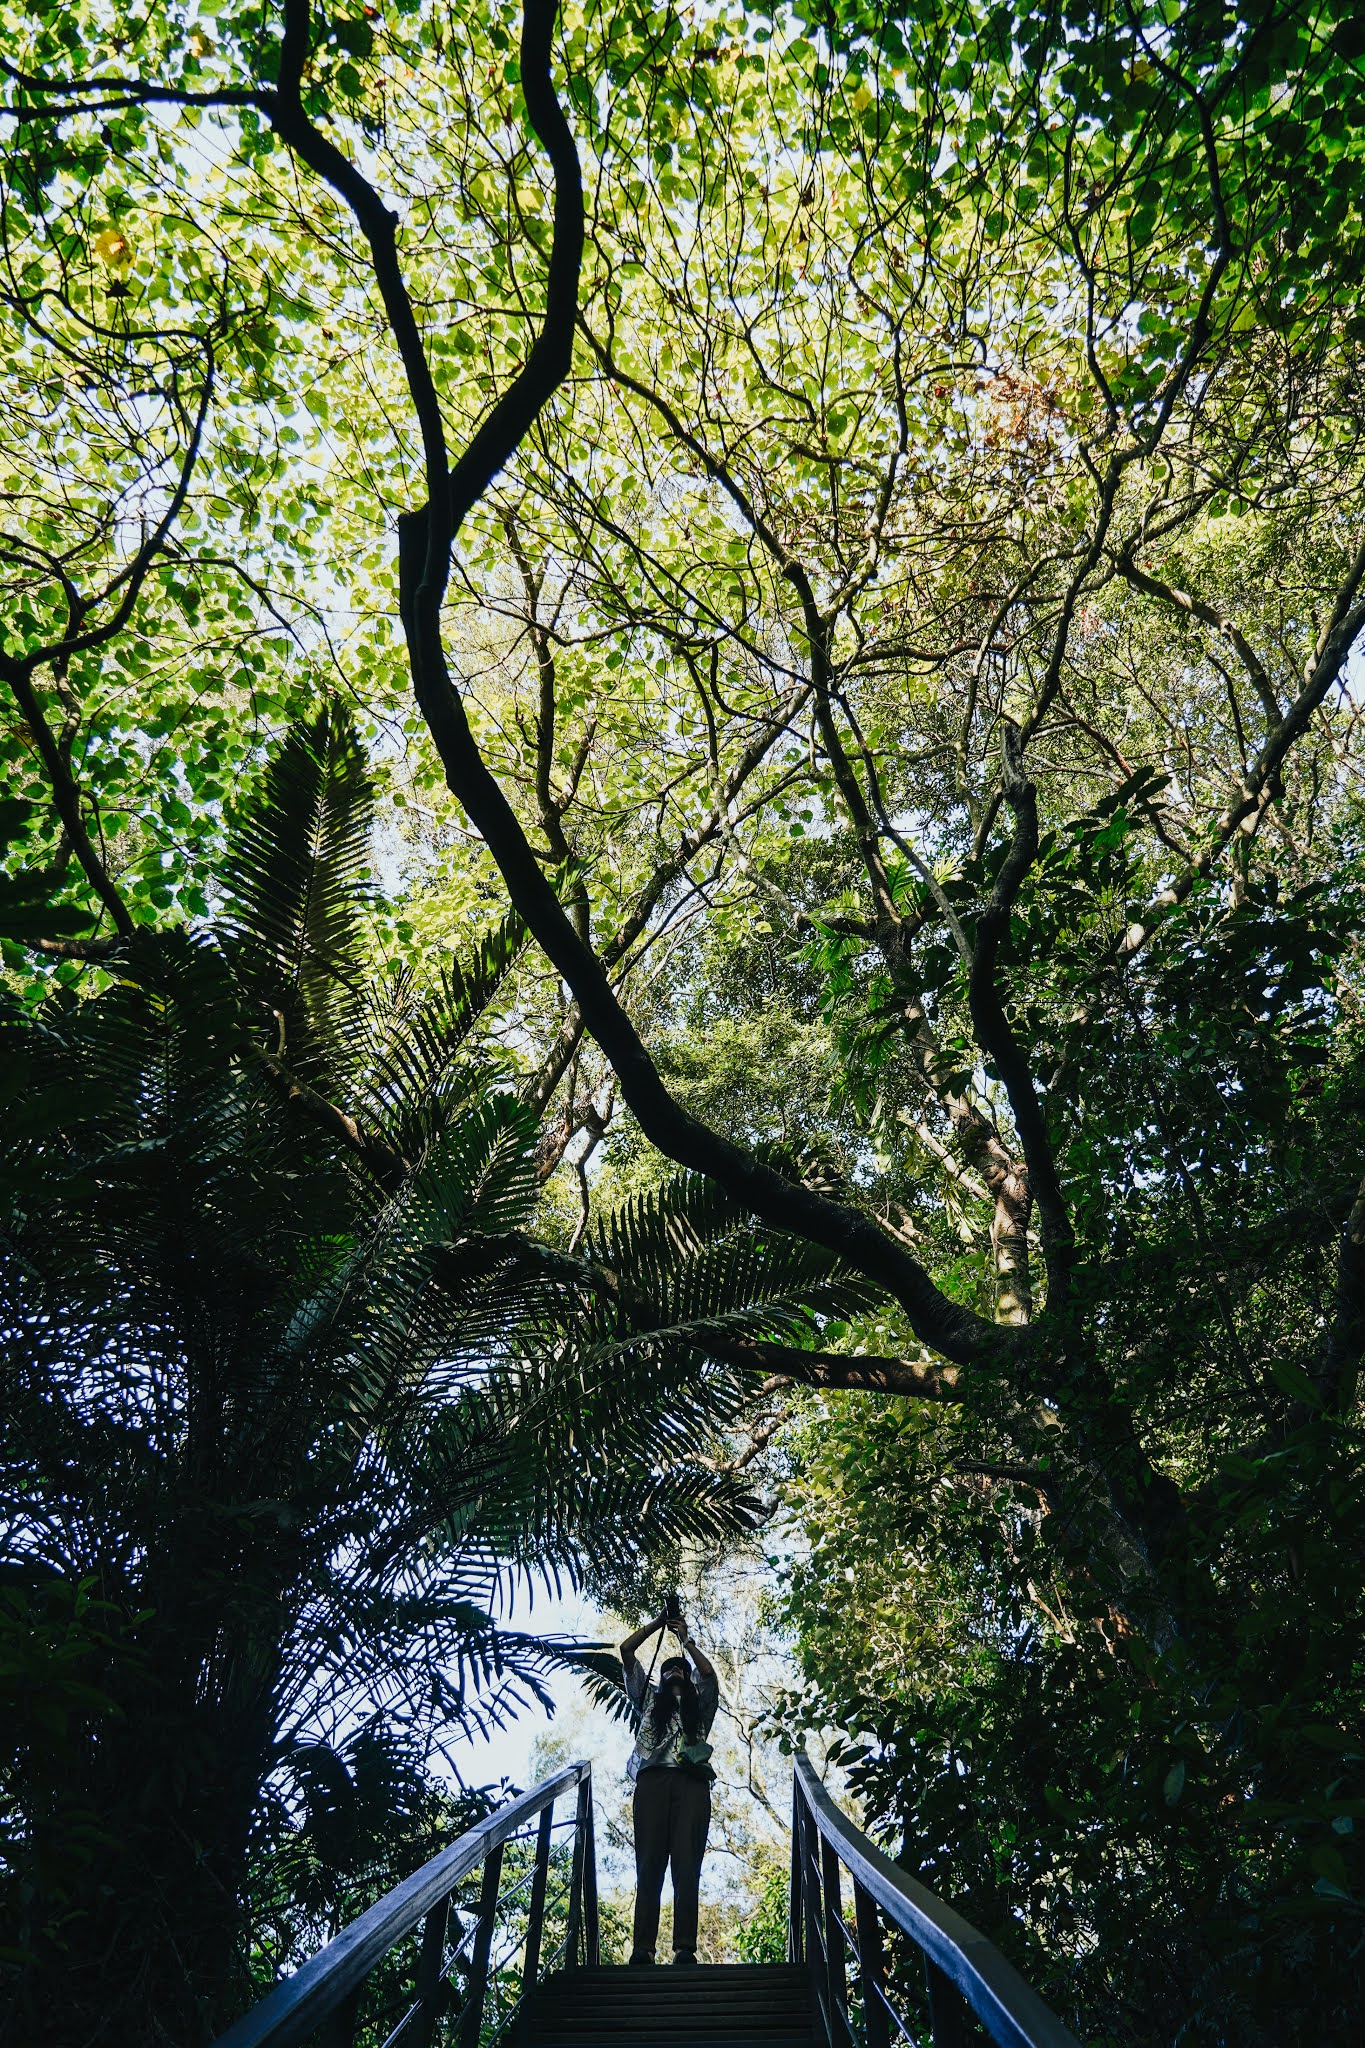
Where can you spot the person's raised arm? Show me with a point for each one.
(698, 1656)
(641, 1635)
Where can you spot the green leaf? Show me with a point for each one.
(355, 35)
(1292, 1379)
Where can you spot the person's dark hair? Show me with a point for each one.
(689, 1706)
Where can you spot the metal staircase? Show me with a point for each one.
(494, 1944)
(761, 2005)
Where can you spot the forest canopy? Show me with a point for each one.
(834, 538)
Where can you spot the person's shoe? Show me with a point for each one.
(640, 1962)
(684, 1955)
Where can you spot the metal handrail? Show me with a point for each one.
(328, 1987)
(962, 1968)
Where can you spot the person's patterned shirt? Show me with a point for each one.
(660, 1737)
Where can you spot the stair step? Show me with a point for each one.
(777, 2026)
(577, 2024)
(663, 2001)
(709, 2005)
(680, 1985)
(703, 2002)
(708, 2037)
(720, 2026)
(605, 1976)
(661, 1983)
(701, 1994)
(666, 1981)
(578, 2016)
(775, 2001)
(611, 1973)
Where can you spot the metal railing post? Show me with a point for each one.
(810, 1886)
(836, 1974)
(338, 2029)
(483, 1944)
(431, 1972)
(871, 1967)
(591, 1939)
(947, 2014)
(795, 1943)
(580, 1834)
(535, 1917)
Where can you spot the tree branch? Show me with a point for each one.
(1043, 1483)
(65, 793)
(996, 1035)
(1345, 1347)
(1197, 608)
(382, 1160)
(880, 1375)
(1262, 786)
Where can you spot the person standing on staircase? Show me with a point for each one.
(672, 1774)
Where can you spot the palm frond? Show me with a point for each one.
(598, 1670)
(695, 1269)
(478, 1176)
(296, 877)
(411, 1074)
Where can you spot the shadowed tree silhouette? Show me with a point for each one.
(288, 1384)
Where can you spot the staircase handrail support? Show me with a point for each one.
(294, 2009)
(1011, 2011)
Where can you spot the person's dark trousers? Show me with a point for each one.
(672, 1815)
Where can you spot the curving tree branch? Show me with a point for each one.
(66, 796)
(996, 1035)
(424, 549)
